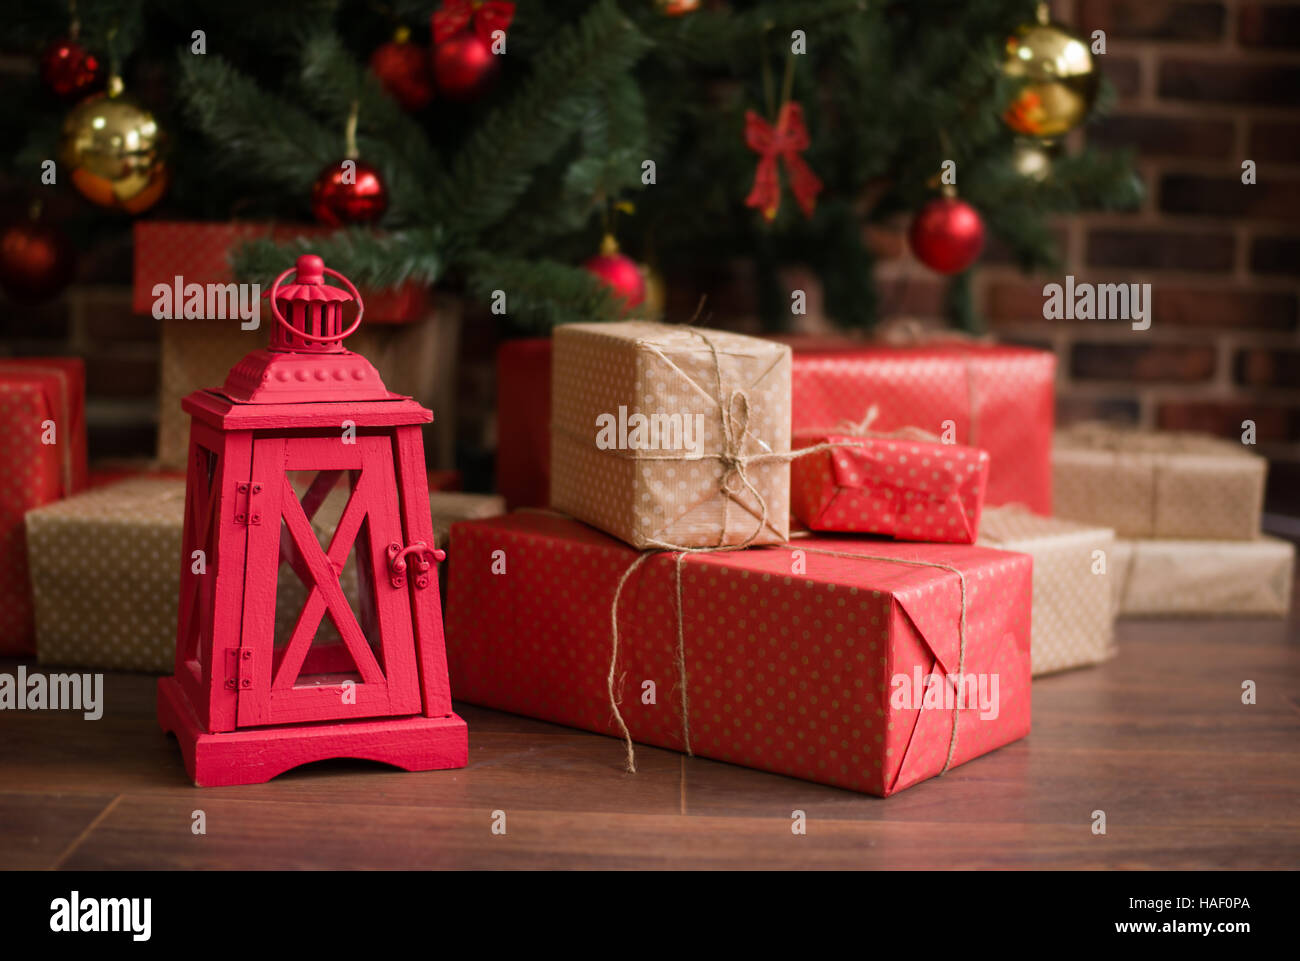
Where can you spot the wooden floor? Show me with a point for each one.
(1159, 740)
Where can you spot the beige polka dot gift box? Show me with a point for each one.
(1153, 578)
(1073, 612)
(1150, 484)
(105, 571)
(671, 436)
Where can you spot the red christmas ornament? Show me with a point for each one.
(621, 274)
(463, 67)
(349, 192)
(36, 261)
(463, 33)
(70, 70)
(947, 235)
(403, 69)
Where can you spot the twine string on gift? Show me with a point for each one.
(862, 428)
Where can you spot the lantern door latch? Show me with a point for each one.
(239, 668)
(246, 509)
(419, 552)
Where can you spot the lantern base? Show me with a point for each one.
(256, 755)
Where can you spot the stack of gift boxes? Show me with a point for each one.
(840, 564)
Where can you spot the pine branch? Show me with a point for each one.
(541, 293)
(382, 260)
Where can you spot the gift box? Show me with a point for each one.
(42, 458)
(523, 463)
(105, 569)
(1183, 577)
(1155, 485)
(822, 660)
(412, 344)
(1074, 615)
(671, 436)
(903, 486)
(997, 398)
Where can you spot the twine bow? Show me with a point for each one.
(485, 17)
(786, 140)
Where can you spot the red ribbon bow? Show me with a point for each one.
(457, 15)
(786, 140)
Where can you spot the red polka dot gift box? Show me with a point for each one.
(42, 458)
(995, 397)
(869, 665)
(909, 489)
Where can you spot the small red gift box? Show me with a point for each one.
(43, 453)
(997, 398)
(831, 659)
(914, 490)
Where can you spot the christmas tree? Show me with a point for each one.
(503, 145)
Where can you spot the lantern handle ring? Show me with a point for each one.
(319, 338)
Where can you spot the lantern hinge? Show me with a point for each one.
(239, 668)
(246, 509)
(418, 552)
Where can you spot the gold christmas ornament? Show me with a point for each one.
(655, 293)
(112, 150)
(1032, 159)
(1060, 78)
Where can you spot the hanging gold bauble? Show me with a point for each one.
(1032, 158)
(656, 294)
(112, 150)
(1060, 78)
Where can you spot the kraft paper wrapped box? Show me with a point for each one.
(821, 675)
(1203, 578)
(42, 458)
(1155, 485)
(901, 486)
(671, 436)
(106, 571)
(998, 398)
(1074, 613)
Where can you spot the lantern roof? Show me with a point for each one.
(305, 362)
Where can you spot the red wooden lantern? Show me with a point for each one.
(291, 650)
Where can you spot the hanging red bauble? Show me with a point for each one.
(349, 192)
(463, 34)
(36, 261)
(463, 67)
(70, 70)
(947, 235)
(621, 274)
(403, 69)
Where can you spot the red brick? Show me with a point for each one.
(1218, 82)
(1223, 419)
(1151, 19)
(885, 243)
(1014, 302)
(108, 319)
(1223, 307)
(1275, 255)
(1160, 250)
(1156, 136)
(911, 297)
(1271, 198)
(1278, 142)
(47, 323)
(1268, 25)
(1258, 367)
(1145, 363)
